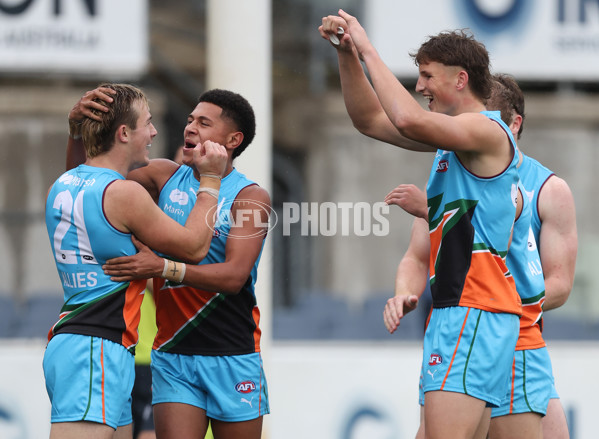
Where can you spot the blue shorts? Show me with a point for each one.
(230, 389)
(469, 351)
(531, 384)
(89, 379)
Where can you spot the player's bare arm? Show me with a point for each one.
(146, 220)
(410, 198)
(558, 242)
(471, 132)
(250, 213)
(361, 101)
(411, 277)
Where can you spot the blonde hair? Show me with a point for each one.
(98, 136)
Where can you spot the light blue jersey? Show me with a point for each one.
(88, 363)
(82, 240)
(195, 322)
(470, 222)
(525, 265)
(207, 349)
(534, 176)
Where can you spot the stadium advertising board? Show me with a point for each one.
(92, 37)
(530, 39)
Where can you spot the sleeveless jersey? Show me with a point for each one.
(534, 176)
(192, 321)
(82, 239)
(470, 220)
(524, 263)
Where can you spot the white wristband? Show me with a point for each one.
(208, 190)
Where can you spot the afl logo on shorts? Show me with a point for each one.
(442, 166)
(435, 359)
(245, 387)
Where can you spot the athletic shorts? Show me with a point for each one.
(469, 351)
(531, 384)
(229, 388)
(89, 379)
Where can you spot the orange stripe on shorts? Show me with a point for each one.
(513, 385)
(103, 394)
(456, 348)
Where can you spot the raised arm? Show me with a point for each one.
(468, 132)
(558, 242)
(361, 101)
(411, 278)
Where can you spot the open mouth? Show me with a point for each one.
(189, 145)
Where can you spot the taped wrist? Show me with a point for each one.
(173, 271)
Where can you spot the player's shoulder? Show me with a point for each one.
(555, 186)
(128, 191)
(256, 193)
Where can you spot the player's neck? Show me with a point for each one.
(470, 104)
(107, 161)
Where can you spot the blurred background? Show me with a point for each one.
(325, 277)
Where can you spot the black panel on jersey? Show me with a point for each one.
(227, 330)
(100, 318)
(455, 255)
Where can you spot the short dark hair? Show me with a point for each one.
(98, 136)
(459, 48)
(508, 98)
(237, 109)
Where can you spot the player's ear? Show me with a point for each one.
(462, 80)
(516, 123)
(122, 134)
(234, 140)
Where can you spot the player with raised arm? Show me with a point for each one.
(206, 362)
(532, 393)
(473, 201)
(91, 214)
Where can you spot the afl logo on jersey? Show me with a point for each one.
(442, 166)
(245, 387)
(435, 359)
